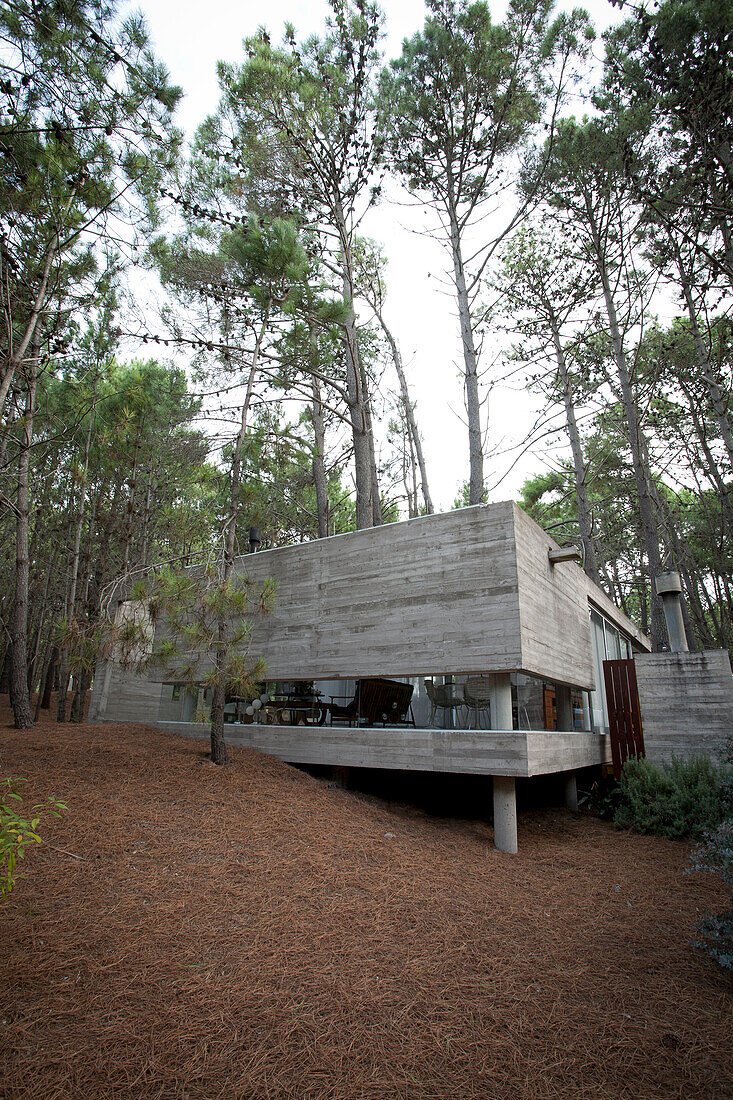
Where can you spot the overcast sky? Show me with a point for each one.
(190, 37)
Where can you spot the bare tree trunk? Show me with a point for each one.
(44, 695)
(41, 624)
(585, 522)
(410, 474)
(5, 668)
(71, 604)
(130, 508)
(218, 702)
(29, 337)
(470, 374)
(718, 398)
(355, 396)
(415, 440)
(319, 472)
(83, 680)
(151, 488)
(712, 468)
(376, 503)
(19, 671)
(634, 435)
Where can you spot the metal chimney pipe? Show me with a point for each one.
(669, 587)
(254, 539)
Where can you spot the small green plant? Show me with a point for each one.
(677, 800)
(601, 797)
(715, 856)
(16, 832)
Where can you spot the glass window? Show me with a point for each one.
(613, 642)
(598, 697)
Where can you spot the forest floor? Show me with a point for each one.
(250, 932)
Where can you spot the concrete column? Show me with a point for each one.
(342, 776)
(505, 813)
(571, 791)
(501, 701)
(564, 707)
(669, 587)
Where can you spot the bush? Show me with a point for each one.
(715, 856)
(684, 798)
(16, 832)
(601, 798)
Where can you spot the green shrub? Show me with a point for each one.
(715, 856)
(600, 798)
(684, 798)
(16, 832)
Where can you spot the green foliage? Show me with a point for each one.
(715, 856)
(277, 490)
(677, 800)
(463, 496)
(18, 833)
(600, 798)
(466, 92)
(204, 625)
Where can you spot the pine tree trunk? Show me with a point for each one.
(356, 399)
(470, 369)
(19, 671)
(634, 435)
(45, 696)
(415, 440)
(319, 472)
(585, 523)
(130, 507)
(5, 671)
(711, 466)
(83, 680)
(376, 503)
(718, 399)
(218, 744)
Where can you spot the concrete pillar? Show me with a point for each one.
(501, 701)
(571, 791)
(505, 813)
(564, 707)
(669, 587)
(341, 775)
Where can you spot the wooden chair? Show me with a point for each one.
(347, 712)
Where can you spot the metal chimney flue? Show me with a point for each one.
(669, 588)
(254, 540)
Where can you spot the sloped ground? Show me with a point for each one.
(250, 932)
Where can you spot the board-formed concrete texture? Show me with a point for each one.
(469, 591)
(123, 696)
(686, 703)
(516, 753)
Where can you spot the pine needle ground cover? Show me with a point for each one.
(195, 932)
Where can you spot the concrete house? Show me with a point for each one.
(480, 596)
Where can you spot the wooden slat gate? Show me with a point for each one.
(624, 713)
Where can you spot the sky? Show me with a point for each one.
(190, 37)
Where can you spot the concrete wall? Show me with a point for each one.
(120, 696)
(472, 752)
(469, 591)
(686, 703)
(553, 609)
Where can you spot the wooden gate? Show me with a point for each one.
(624, 713)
